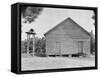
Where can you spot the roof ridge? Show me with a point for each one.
(66, 20)
(56, 25)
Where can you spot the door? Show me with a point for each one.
(58, 47)
(80, 46)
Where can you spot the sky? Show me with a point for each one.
(50, 17)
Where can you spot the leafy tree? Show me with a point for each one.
(93, 17)
(40, 46)
(92, 43)
(29, 13)
(24, 47)
(43, 43)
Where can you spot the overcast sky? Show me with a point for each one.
(50, 17)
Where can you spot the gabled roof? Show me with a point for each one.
(65, 21)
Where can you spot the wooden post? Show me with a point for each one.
(28, 44)
(33, 44)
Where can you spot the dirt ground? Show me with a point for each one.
(40, 63)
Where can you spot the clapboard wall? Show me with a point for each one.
(67, 38)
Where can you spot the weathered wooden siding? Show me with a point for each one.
(64, 39)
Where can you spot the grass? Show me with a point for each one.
(38, 63)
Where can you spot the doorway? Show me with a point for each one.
(58, 48)
(80, 46)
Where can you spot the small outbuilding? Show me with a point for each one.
(67, 38)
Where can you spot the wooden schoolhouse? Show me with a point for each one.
(67, 38)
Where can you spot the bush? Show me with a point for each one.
(40, 52)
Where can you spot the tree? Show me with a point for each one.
(43, 43)
(24, 47)
(40, 46)
(29, 13)
(92, 43)
(93, 17)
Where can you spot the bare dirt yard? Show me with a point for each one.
(40, 63)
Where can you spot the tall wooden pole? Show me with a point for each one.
(33, 44)
(27, 44)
